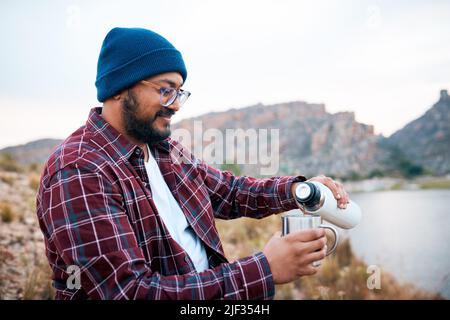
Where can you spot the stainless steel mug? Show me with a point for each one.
(295, 221)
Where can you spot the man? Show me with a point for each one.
(130, 221)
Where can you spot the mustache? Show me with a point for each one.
(166, 112)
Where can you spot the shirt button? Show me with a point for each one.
(186, 259)
(138, 151)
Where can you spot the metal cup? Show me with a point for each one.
(296, 221)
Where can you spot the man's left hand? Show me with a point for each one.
(336, 188)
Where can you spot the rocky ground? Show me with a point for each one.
(24, 271)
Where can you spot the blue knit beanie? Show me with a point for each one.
(129, 55)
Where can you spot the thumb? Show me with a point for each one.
(277, 234)
(276, 237)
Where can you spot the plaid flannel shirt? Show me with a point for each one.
(96, 212)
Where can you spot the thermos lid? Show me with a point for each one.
(303, 191)
(307, 193)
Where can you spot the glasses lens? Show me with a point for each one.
(184, 95)
(168, 96)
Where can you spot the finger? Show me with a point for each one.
(316, 256)
(331, 184)
(347, 198)
(306, 235)
(277, 234)
(310, 270)
(316, 245)
(342, 203)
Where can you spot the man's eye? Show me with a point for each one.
(166, 92)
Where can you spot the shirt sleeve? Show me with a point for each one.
(84, 216)
(234, 197)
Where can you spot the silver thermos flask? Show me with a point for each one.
(317, 199)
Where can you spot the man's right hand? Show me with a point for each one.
(290, 257)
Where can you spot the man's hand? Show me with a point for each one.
(336, 188)
(290, 257)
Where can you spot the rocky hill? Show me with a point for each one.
(311, 140)
(32, 152)
(427, 139)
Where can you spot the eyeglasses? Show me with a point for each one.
(167, 96)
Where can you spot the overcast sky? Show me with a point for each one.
(384, 60)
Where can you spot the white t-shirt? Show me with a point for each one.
(173, 217)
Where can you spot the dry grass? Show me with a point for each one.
(37, 284)
(436, 184)
(25, 275)
(7, 179)
(35, 168)
(342, 275)
(6, 262)
(8, 163)
(33, 180)
(24, 270)
(6, 212)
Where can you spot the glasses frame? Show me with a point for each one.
(180, 94)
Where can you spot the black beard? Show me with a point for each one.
(142, 129)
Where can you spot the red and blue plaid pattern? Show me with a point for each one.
(96, 211)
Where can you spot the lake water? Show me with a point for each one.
(406, 233)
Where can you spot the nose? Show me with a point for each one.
(175, 106)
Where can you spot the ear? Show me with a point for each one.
(117, 96)
(121, 95)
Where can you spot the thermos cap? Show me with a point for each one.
(303, 191)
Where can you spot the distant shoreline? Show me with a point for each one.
(391, 183)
